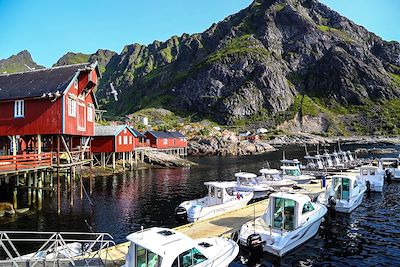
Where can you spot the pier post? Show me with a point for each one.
(29, 184)
(58, 177)
(103, 159)
(40, 191)
(136, 157)
(72, 183)
(91, 175)
(131, 160)
(15, 193)
(123, 160)
(80, 180)
(35, 185)
(113, 161)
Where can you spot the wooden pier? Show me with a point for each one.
(222, 225)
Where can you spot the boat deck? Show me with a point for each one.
(222, 225)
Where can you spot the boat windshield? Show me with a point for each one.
(147, 258)
(189, 258)
(283, 214)
(247, 181)
(294, 172)
(342, 188)
(230, 191)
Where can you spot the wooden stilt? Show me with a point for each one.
(123, 160)
(58, 177)
(113, 160)
(29, 184)
(35, 184)
(91, 175)
(72, 177)
(81, 181)
(40, 191)
(15, 193)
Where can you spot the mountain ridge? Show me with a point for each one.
(261, 64)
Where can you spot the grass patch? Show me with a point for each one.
(341, 34)
(395, 79)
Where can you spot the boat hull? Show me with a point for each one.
(348, 209)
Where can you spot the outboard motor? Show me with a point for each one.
(254, 243)
(181, 214)
(368, 184)
(388, 176)
(332, 204)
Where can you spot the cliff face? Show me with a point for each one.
(256, 65)
(256, 62)
(16, 63)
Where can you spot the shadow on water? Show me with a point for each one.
(122, 203)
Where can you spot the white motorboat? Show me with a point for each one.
(291, 162)
(222, 197)
(289, 221)
(249, 182)
(344, 195)
(337, 161)
(273, 178)
(314, 163)
(294, 173)
(389, 167)
(372, 178)
(161, 247)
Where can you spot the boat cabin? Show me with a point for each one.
(291, 162)
(246, 178)
(270, 174)
(368, 171)
(314, 162)
(345, 187)
(327, 160)
(385, 163)
(158, 247)
(350, 155)
(343, 156)
(291, 170)
(220, 192)
(287, 211)
(337, 161)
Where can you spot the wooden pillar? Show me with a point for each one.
(58, 177)
(103, 159)
(14, 145)
(40, 191)
(29, 184)
(39, 144)
(91, 175)
(81, 181)
(123, 160)
(131, 160)
(113, 161)
(15, 193)
(136, 157)
(72, 182)
(35, 185)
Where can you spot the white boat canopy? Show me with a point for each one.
(269, 171)
(246, 175)
(221, 184)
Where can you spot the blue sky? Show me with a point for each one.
(48, 28)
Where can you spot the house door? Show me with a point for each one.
(81, 117)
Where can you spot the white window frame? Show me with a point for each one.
(130, 140)
(76, 84)
(90, 113)
(120, 140)
(125, 140)
(19, 109)
(165, 141)
(71, 107)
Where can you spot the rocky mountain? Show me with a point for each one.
(20, 62)
(292, 64)
(256, 64)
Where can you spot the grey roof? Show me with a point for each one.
(109, 130)
(136, 133)
(38, 82)
(166, 135)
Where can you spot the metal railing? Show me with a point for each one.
(55, 249)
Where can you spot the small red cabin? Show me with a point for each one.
(164, 139)
(115, 138)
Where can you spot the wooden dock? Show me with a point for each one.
(222, 225)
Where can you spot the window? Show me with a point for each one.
(76, 83)
(283, 214)
(130, 140)
(120, 140)
(71, 107)
(365, 172)
(219, 193)
(189, 258)
(90, 113)
(308, 207)
(212, 191)
(146, 258)
(124, 131)
(372, 171)
(19, 109)
(165, 141)
(230, 191)
(125, 140)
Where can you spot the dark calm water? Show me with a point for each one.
(370, 236)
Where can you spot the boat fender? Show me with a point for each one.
(239, 196)
(181, 214)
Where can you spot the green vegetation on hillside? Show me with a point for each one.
(341, 34)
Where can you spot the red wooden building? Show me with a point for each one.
(115, 138)
(165, 140)
(36, 106)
